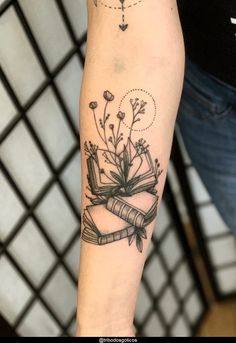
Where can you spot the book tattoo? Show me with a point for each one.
(121, 5)
(122, 176)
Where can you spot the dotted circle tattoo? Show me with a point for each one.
(131, 101)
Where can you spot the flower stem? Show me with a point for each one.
(94, 114)
(104, 123)
(118, 131)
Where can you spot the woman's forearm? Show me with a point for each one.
(130, 94)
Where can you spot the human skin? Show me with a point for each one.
(148, 55)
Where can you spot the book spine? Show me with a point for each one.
(126, 212)
(116, 236)
(90, 236)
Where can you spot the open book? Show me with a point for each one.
(111, 227)
(138, 210)
(127, 173)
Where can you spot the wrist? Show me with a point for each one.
(106, 330)
(106, 333)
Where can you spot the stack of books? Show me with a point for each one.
(129, 205)
(121, 215)
(118, 218)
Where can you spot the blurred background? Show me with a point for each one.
(189, 282)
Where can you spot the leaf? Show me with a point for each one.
(115, 190)
(134, 181)
(126, 162)
(128, 191)
(142, 232)
(102, 197)
(152, 191)
(98, 201)
(116, 176)
(86, 147)
(139, 243)
(131, 239)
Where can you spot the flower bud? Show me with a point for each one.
(108, 96)
(93, 105)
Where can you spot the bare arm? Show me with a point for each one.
(129, 99)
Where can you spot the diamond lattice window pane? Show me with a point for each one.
(183, 280)
(11, 208)
(57, 218)
(29, 242)
(144, 303)
(154, 328)
(171, 250)
(215, 225)
(72, 258)
(168, 304)
(60, 293)
(193, 307)
(72, 328)
(163, 221)
(14, 293)
(69, 81)
(83, 49)
(227, 279)
(180, 328)
(7, 108)
(72, 180)
(24, 161)
(49, 29)
(75, 9)
(150, 248)
(155, 274)
(199, 191)
(38, 323)
(51, 127)
(17, 57)
(223, 250)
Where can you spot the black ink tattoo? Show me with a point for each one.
(138, 109)
(121, 5)
(121, 175)
(123, 26)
